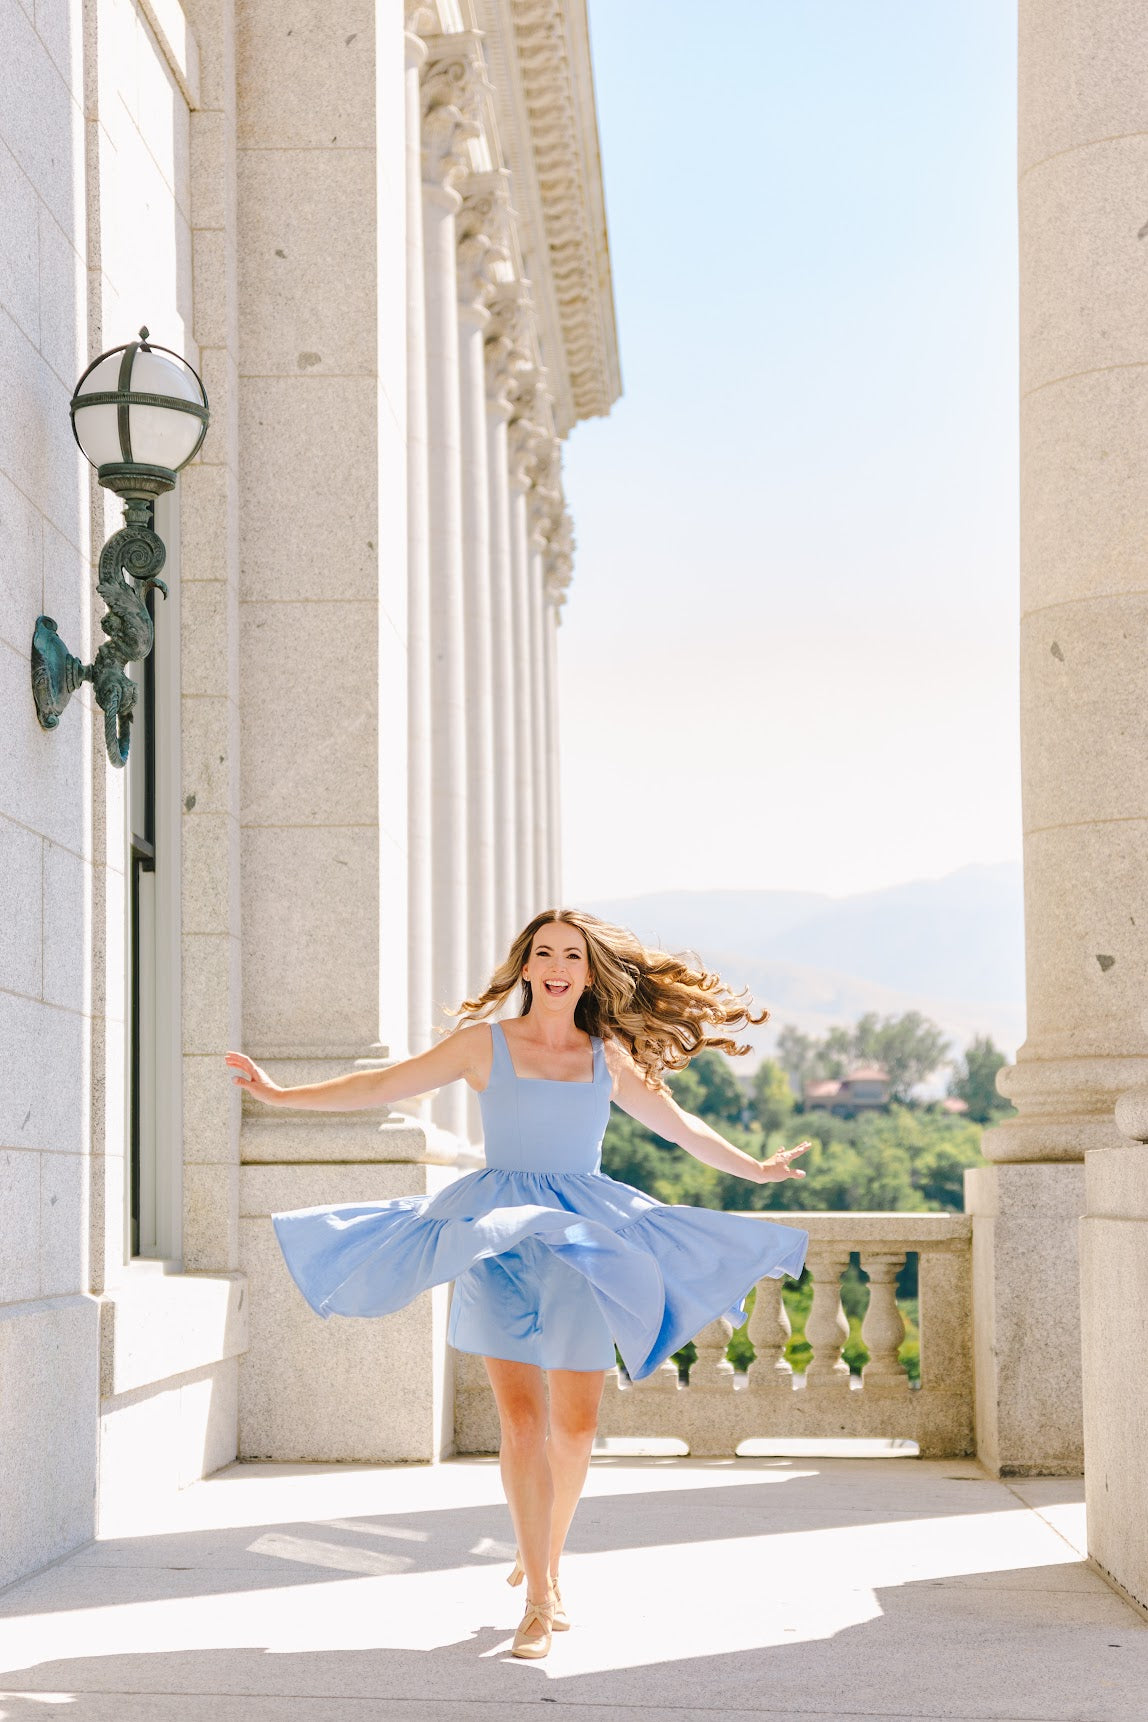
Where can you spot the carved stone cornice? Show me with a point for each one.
(540, 60)
(453, 85)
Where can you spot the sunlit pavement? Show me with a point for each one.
(827, 1588)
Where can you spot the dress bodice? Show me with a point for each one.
(534, 1124)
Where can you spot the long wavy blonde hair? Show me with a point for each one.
(658, 1004)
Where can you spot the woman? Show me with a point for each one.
(553, 1263)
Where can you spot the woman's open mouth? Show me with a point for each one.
(558, 987)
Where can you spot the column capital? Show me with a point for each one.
(558, 566)
(522, 441)
(508, 343)
(531, 427)
(452, 82)
(483, 229)
(546, 502)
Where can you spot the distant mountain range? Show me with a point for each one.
(952, 948)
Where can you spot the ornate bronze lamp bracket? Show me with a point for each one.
(135, 550)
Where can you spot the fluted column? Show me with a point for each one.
(419, 919)
(448, 93)
(550, 710)
(480, 224)
(501, 356)
(558, 569)
(537, 724)
(545, 515)
(521, 440)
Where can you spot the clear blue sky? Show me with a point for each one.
(788, 655)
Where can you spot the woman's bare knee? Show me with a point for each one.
(522, 1424)
(577, 1432)
(521, 1401)
(574, 1401)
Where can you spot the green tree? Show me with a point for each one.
(723, 1098)
(797, 1056)
(910, 1047)
(974, 1080)
(686, 1088)
(772, 1100)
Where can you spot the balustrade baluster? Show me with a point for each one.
(883, 1328)
(769, 1333)
(827, 1328)
(713, 1368)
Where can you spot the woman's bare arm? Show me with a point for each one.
(662, 1114)
(466, 1052)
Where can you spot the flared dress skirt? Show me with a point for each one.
(552, 1262)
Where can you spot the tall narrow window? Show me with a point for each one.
(141, 897)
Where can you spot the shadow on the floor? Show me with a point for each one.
(792, 1495)
(927, 1651)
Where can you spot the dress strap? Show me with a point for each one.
(500, 1054)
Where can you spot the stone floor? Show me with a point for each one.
(771, 1587)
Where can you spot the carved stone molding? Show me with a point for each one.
(564, 142)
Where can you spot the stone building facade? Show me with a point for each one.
(379, 235)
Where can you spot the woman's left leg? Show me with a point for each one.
(575, 1395)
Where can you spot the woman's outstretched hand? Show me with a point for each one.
(251, 1079)
(778, 1165)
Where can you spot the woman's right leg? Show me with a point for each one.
(520, 1395)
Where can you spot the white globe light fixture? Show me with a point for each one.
(139, 414)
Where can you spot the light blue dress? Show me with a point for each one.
(553, 1262)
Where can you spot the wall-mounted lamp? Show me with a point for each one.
(138, 418)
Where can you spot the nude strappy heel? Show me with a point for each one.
(561, 1618)
(537, 1613)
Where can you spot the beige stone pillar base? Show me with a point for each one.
(342, 1389)
(1114, 1316)
(1026, 1316)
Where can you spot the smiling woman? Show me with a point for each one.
(553, 1263)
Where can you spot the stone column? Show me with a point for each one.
(500, 362)
(522, 434)
(539, 750)
(481, 231)
(480, 223)
(419, 918)
(560, 561)
(448, 89)
(545, 512)
(1084, 604)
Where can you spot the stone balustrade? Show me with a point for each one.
(722, 1407)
